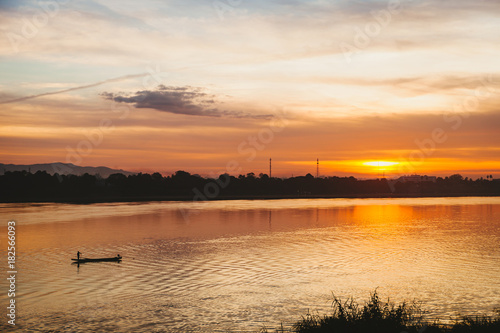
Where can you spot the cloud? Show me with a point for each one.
(417, 85)
(76, 88)
(366, 136)
(185, 100)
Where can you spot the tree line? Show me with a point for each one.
(42, 186)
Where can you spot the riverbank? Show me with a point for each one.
(376, 316)
(113, 199)
(182, 186)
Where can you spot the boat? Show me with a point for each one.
(82, 260)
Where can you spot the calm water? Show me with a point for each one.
(241, 265)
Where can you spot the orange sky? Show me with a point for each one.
(183, 86)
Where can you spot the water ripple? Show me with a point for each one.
(244, 279)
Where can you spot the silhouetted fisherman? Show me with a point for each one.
(78, 255)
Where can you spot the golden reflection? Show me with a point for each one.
(161, 221)
(381, 215)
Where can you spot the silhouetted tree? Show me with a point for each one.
(25, 186)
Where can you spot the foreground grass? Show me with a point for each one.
(376, 316)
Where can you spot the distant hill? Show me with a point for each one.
(63, 169)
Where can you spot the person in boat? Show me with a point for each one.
(78, 255)
(118, 256)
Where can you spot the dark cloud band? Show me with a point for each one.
(185, 100)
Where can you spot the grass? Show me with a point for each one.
(376, 316)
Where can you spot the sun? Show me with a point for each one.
(381, 167)
(380, 164)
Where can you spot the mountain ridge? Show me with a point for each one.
(63, 169)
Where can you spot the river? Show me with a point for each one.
(246, 264)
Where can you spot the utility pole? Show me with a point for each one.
(317, 168)
(270, 169)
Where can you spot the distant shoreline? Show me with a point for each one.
(22, 186)
(87, 200)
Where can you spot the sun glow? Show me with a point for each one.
(380, 163)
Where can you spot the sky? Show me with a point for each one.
(370, 88)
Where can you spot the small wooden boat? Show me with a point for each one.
(82, 260)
